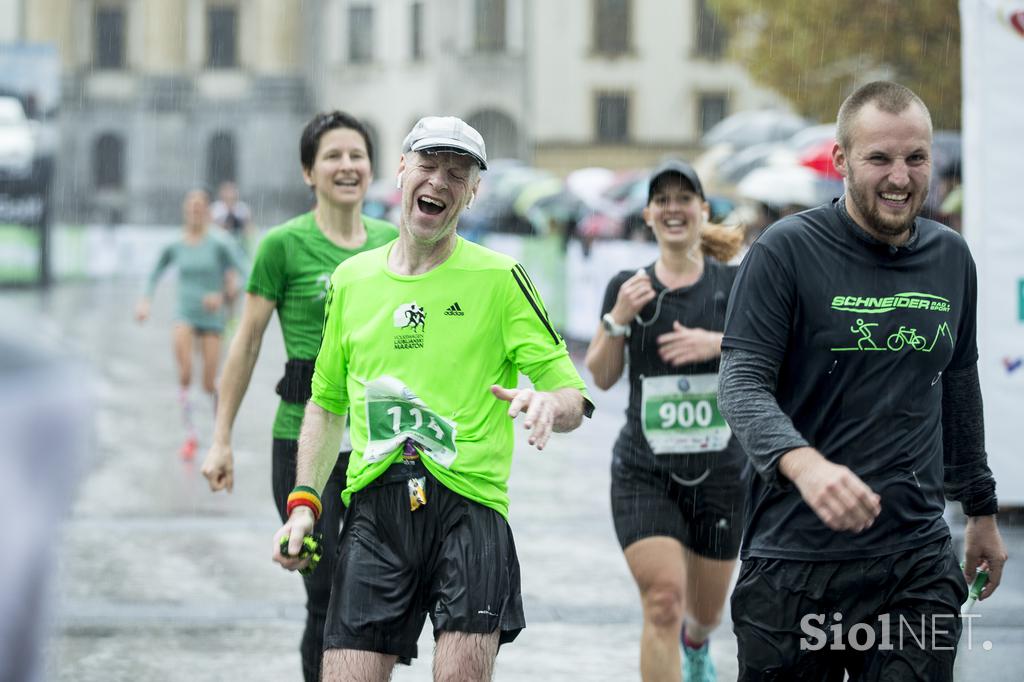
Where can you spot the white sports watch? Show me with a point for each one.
(613, 328)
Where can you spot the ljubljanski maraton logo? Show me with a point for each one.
(410, 321)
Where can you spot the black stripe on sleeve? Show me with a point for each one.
(526, 277)
(536, 308)
(534, 293)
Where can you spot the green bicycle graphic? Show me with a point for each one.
(906, 336)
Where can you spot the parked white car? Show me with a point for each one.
(17, 147)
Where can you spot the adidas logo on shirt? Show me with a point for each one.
(454, 309)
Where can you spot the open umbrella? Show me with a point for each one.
(746, 128)
(788, 186)
(535, 203)
(818, 157)
(589, 184)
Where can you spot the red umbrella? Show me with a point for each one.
(819, 158)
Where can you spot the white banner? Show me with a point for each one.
(587, 273)
(993, 148)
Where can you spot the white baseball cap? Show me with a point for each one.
(446, 133)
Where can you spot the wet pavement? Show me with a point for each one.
(159, 579)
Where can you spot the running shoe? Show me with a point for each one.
(188, 449)
(697, 664)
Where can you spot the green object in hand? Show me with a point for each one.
(974, 591)
(311, 549)
(980, 578)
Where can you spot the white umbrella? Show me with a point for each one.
(589, 183)
(746, 128)
(788, 185)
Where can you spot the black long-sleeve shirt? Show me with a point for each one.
(866, 352)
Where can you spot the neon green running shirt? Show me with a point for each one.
(438, 341)
(293, 267)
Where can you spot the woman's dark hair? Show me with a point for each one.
(309, 143)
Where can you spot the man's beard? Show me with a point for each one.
(882, 225)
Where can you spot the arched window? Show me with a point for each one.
(220, 159)
(108, 162)
(499, 131)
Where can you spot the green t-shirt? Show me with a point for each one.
(425, 350)
(293, 267)
(201, 269)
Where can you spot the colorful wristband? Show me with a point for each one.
(304, 496)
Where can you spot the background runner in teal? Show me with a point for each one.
(204, 262)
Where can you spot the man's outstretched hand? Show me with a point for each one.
(540, 408)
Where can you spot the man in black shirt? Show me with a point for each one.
(849, 376)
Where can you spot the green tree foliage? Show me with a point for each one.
(815, 52)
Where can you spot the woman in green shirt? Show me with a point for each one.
(290, 274)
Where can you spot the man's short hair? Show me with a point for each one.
(890, 97)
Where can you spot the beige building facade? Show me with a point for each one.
(163, 95)
(160, 96)
(561, 83)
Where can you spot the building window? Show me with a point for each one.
(500, 131)
(220, 159)
(713, 108)
(222, 37)
(108, 51)
(710, 38)
(371, 132)
(416, 31)
(612, 26)
(360, 34)
(108, 162)
(612, 113)
(490, 25)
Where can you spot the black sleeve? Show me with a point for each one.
(746, 398)
(761, 305)
(967, 478)
(965, 354)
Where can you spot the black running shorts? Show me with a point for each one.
(453, 559)
(894, 617)
(703, 509)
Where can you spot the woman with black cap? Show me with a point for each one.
(677, 474)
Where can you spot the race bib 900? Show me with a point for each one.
(679, 414)
(394, 413)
